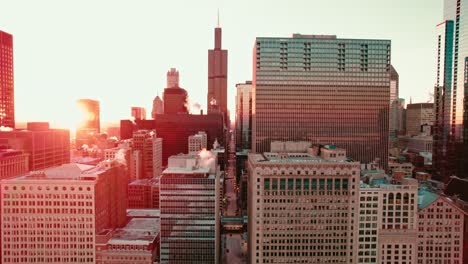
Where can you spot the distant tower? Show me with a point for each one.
(138, 112)
(175, 97)
(158, 107)
(217, 76)
(172, 78)
(7, 98)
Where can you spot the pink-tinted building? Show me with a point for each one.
(7, 98)
(138, 112)
(46, 147)
(53, 216)
(143, 193)
(13, 163)
(136, 243)
(217, 76)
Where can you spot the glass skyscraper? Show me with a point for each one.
(451, 107)
(325, 90)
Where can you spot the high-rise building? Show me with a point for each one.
(323, 89)
(244, 115)
(394, 84)
(158, 107)
(451, 106)
(418, 115)
(197, 142)
(397, 118)
(145, 142)
(189, 201)
(217, 77)
(143, 194)
(90, 125)
(175, 98)
(174, 129)
(13, 163)
(46, 147)
(138, 112)
(302, 205)
(7, 96)
(53, 216)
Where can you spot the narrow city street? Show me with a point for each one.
(233, 244)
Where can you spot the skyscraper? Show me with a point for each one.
(451, 106)
(217, 77)
(244, 115)
(138, 112)
(174, 97)
(322, 89)
(7, 98)
(158, 107)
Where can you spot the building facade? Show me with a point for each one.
(53, 216)
(143, 194)
(244, 116)
(197, 142)
(441, 229)
(302, 206)
(189, 201)
(138, 112)
(158, 107)
(46, 147)
(325, 89)
(418, 115)
(7, 96)
(13, 163)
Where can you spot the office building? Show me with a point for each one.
(53, 216)
(451, 106)
(244, 116)
(158, 107)
(418, 115)
(143, 194)
(441, 229)
(46, 147)
(7, 95)
(397, 118)
(394, 84)
(91, 114)
(172, 78)
(387, 222)
(174, 130)
(136, 243)
(302, 205)
(217, 77)
(323, 89)
(13, 163)
(197, 142)
(419, 144)
(190, 206)
(138, 112)
(145, 142)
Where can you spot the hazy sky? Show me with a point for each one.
(118, 52)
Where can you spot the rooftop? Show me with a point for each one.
(148, 213)
(139, 231)
(426, 197)
(274, 157)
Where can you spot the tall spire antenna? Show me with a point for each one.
(218, 17)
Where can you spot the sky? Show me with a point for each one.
(118, 52)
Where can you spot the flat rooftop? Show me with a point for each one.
(272, 157)
(139, 231)
(148, 213)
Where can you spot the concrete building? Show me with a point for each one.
(138, 112)
(441, 229)
(53, 216)
(135, 165)
(13, 163)
(46, 147)
(7, 100)
(175, 98)
(143, 194)
(244, 116)
(405, 167)
(302, 207)
(157, 156)
(397, 118)
(190, 206)
(292, 99)
(387, 222)
(136, 243)
(418, 115)
(197, 142)
(146, 142)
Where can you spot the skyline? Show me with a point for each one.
(111, 63)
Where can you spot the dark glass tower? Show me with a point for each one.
(325, 90)
(7, 98)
